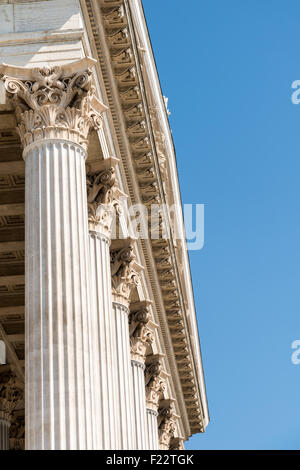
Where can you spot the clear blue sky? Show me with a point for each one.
(227, 68)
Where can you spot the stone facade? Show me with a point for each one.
(98, 322)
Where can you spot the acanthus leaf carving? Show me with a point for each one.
(155, 384)
(124, 273)
(141, 336)
(101, 200)
(167, 424)
(54, 103)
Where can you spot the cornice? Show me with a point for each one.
(128, 81)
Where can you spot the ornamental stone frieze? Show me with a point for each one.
(54, 102)
(141, 336)
(11, 394)
(125, 271)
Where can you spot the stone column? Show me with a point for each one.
(155, 388)
(55, 108)
(141, 338)
(11, 395)
(101, 193)
(125, 276)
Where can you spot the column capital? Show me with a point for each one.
(141, 336)
(125, 271)
(102, 196)
(11, 393)
(155, 382)
(56, 102)
(166, 423)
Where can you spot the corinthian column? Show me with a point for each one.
(155, 388)
(55, 108)
(101, 201)
(125, 276)
(141, 338)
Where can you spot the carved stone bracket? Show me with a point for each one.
(141, 336)
(54, 102)
(124, 271)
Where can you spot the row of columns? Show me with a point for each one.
(89, 381)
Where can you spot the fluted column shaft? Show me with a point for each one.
(4, 434)
(125, 396)
(57, 360)
(152, 429)
(138, 375)
(103, 330)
